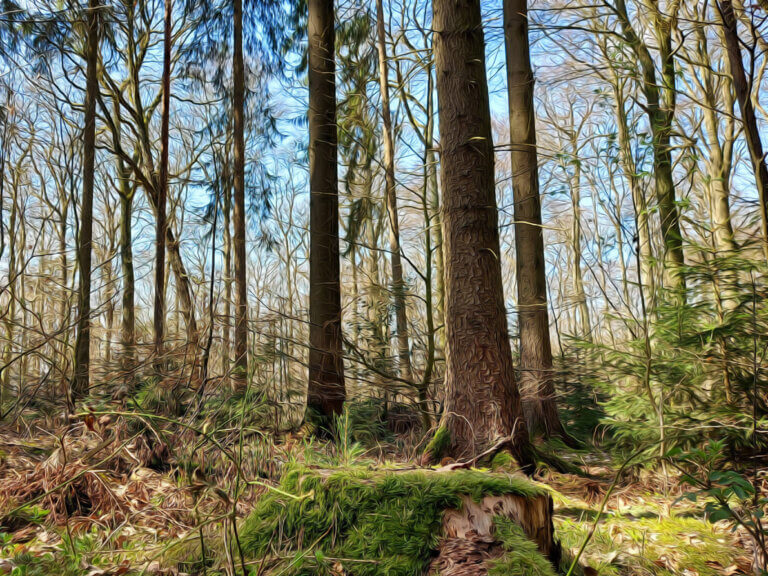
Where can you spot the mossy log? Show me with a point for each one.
(407, 522)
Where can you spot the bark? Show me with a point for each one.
(3, 145)
(226, 345)
(81, 379)
(743, 94)
(642, 225)
(162, 192)
(660, 101)
(128, 319)
(482, 400)
(719, 141)
(152, 184)
(585, 326)
(398, 285)
(536, 370)
(326, 392)
(240, 372)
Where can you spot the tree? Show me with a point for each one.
(536, 369)
(81, 379)
(326, 392)
(482, 402)
(162, 192)
(743, 91)
(241, 286)
(660, 101)
(398, 285)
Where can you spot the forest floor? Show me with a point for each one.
(104, 500)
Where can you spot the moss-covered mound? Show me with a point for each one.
(365, 522)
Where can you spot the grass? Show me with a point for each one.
(641, 539)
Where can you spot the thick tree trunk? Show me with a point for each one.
(482, 400)
(751, 129)
(326, 392)
(536, 370)
(241, 280)
(81, 379)
(162, 192)
(398, 284)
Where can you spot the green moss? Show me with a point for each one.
(439, 444)
(503, 461)
(375, 523)
(521, 557)
(652, 544)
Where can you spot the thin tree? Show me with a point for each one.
(81, 378)
(241, 286)
(536, 368)
(326, 392)
(162, 192)
(398, 284)
(743, 90)
(660, 94)
(482, 402)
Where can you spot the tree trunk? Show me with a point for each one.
(536, 370)
(585, 325)
(162, 192)
(482, 400)
(128, 322)
(660, 107)
(743, 95)
(640, 203)
(241, 287)
(326, 392)
(226, 324)
(398, 285)
(81, 379)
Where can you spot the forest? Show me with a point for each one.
(383, 287)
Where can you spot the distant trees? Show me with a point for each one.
(626, 184)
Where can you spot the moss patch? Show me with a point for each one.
(364, 521)
(521, 556)
(439, 444)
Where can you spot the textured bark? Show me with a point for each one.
(751, 129)
(240, 372)
(398, 285)
(536, 370)
(81, 379)
(326, 391)
(482, 401)
(162, 191)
